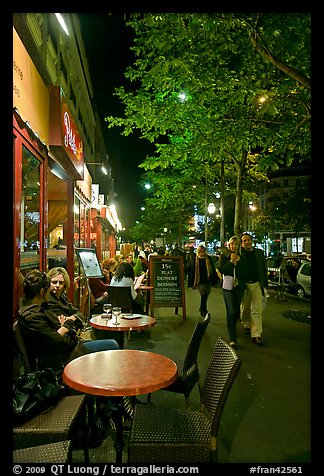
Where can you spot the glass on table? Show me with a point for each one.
(116, 310)
(107, 311)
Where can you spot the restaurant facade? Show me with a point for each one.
(55, 134)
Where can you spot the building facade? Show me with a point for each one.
(56, 133)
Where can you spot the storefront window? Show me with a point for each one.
(30, 212)
(57, 220)
(81, 227)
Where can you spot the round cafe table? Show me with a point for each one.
(119, 373)
(124, 324)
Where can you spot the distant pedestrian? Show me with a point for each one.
(232, 268)
(256, 284)
(190, 266)
(205, 277)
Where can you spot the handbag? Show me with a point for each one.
(33, 393)
(229, 282)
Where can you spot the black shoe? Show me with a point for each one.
(247, 330)
(256, 340)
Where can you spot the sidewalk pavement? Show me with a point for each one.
(267, 416)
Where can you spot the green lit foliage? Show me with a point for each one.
(244, 80)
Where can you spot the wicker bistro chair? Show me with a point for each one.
(24, 361)
(59, 452)
(67, 420)
(168, 435)
(188, 373)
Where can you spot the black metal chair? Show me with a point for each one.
(121, 296)
(167, 435)
(188, 372)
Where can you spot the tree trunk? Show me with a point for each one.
(240, 165)
(222, 223)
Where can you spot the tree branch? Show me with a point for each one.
(279, 64)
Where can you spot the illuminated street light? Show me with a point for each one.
(182, 97)
(103, 168)
(61, 21)
(252, 209)
(147, 186)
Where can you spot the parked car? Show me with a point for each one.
(282, 271)
(303, 280)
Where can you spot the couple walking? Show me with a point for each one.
(244, 284)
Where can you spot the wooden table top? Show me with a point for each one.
(140, 323)
(120, 372)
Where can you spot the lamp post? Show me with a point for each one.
(211, 208)
(252, 209)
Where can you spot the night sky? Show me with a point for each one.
(107, 41)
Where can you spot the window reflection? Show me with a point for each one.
(30, 212)
(57, 220)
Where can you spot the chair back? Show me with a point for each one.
(221, 373)
(121, 296)
(28, 363)
(192, 352)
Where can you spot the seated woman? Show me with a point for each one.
(50, 333)
(58, 301)
(108, 267)
(125, 276)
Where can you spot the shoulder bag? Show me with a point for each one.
(34, 393)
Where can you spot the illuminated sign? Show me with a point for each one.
(70, 135)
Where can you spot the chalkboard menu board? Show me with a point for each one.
(167, 279)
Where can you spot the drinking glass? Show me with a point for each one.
(116, 312)
(107, 311)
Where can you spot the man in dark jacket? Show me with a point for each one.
(256, 284)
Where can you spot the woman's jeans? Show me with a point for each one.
(100, 344)
(232, 300)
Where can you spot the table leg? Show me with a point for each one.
(147, 303)
(119, 442)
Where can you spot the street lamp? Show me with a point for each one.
(103, 168)
(252, 209)
(210, 209)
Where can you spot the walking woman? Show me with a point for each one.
(231, 266)
(205, 277)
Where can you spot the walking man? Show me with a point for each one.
(256, 284)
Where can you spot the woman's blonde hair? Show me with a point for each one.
(234, 238)
(56, 271)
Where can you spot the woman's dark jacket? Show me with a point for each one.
(56, 307)
(226, 267)
(39, 326)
